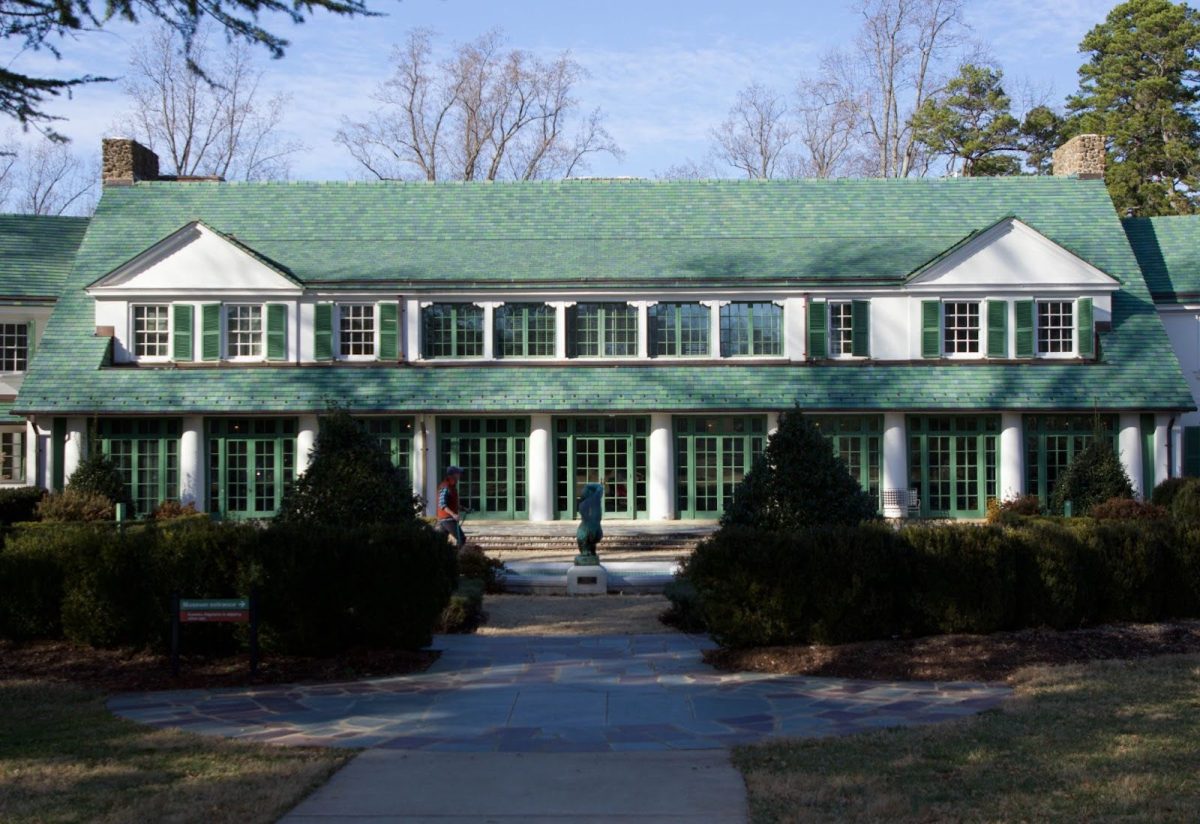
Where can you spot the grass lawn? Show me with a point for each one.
(64, 758)
(1109, 740)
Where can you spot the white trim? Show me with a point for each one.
(132, 327)
(337, 333)
(980, 352)
(262, 335)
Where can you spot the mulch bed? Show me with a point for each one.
(964, 657)
(122, 670)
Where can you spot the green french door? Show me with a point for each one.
(952, 463)
(252, 461)
(396, 436)
(1053, 441)
(493, 455)
(609, 451)
(712, 455)
(857, 440)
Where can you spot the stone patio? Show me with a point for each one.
(560, 694)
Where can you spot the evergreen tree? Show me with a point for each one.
(350, 480)
(97, 474)
(1041, 134)
(1139, 89)
(798, 482)
(971, 123)
(1094, 476)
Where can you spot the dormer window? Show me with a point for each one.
(751, 329)
(356, 330)
(679, 330)
(151, 331)
(605, 330)
(841, 328)
(453, 330)
(1055, 327)
(14, 347)
(960, 326)
(244, 331)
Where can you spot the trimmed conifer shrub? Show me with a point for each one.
(97, 474)
(1164, 494)
(19, 504)
(798, 482)
(1093, 477)
(350, 480)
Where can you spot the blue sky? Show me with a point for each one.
(663, 72)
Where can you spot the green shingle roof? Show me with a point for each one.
(36, 254)
(603, 234)
(1168, 249)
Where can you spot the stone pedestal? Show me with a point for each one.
(587, 580)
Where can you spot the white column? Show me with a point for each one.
(191, 463)
(418, 469)
(412, 330)
(643, 319)
(1130, 442)
(489, 329)
(76, 447)
(794, 310)
(895, 460)
(306, 439)
(431, 465)
(1012, 457)
(661, 462)
(772, 423)
(32, 476)
(714, 326)
(1177, 449)
(1162, 469)
(541, 461)
(560, 328)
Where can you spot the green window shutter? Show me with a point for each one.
(30, 341)
(931, 329)
(1086, 344)
(277, 316)
(182, 347)
(1191, 451)
(389, 331)
(997, 324)
(860, 328)
(572, 324)
(210, 331)
(818, 321)
(323, 331)
(1024, 328)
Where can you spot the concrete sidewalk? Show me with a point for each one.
(412, 786)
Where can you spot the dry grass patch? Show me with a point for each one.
(64, 758)
(1110, 740)
(565, 615)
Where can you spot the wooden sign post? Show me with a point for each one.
(214, 611)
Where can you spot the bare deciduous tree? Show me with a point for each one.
(828, 120)
(757, 136)
(51, 180)
(485, 113)
(218, 123)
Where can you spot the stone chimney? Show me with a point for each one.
(125, 161)
(1082, 156)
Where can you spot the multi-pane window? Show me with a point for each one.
(751, 329)
(244, 331)
(146, 454)
(151, 331)
(1055, 327)
(960, 325)
(252, 462)
(14, 347)
(678, 329)
(12, 457)
(356, 330)
(453, 330)
(841, 328)
(525, 330)
(606, 330)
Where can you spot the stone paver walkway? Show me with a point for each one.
(559, 694)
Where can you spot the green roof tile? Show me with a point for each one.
(36, 254)
(1168, 250)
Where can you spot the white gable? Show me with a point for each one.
(194, 260)
(1011, 256)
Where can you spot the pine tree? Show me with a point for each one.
(798, 482)
(971, 123)
(1041, 134)
(1139, 88)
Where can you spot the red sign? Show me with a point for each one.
(233, 616)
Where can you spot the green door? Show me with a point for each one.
(609, 451)
(857, 440)
(492, 453)
(252, 461)
(712, 455)
(952, 463)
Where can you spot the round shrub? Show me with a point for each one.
(170, 510)
(1023, 506)
(19, 504)
(1185, 507)
(1126, 509)
(75, 505)
(1164, 494)
(475, 564)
